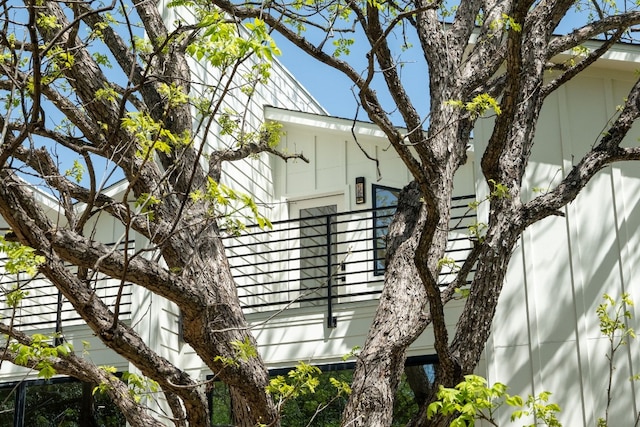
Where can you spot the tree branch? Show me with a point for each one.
(83, 370)
(607, 151)
(582, 65)
(33, 229)
(578, 36)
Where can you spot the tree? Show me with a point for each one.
(482, 56)
(56, 57)
(92, 92)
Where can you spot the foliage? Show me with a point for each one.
(322, 408)
(243, 351)
(478, 106)
(613, 316)
(473, 399)
(299, 381)
(139, 385)
(40, 353)
(60, 404)
(229, 205)
(20, 258)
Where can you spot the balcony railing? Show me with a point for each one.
(325, 261)
(44, 307)
(319, 263)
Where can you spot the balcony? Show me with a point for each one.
(45, 308)
(322, 262)
(325, 260)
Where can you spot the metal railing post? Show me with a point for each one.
(19, 405)
(331, 319)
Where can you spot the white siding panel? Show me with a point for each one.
(301, 176)
(330, 163)
(511, 316)
(510, 360)
(597, 245)
(622, 411)
(563, 266)
(560, 375)
(549, 281)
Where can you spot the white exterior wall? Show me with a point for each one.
(545, 334)
(40, 304)
(336, 160)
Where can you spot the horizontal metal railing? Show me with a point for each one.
(320, 262)
(326, 260)
(44, 307)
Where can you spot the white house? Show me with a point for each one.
(546, 334)
(311, 284)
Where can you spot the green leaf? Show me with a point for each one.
(514, 401)
(46, 371)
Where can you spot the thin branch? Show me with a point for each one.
(621, 21)
(82, 369)
(607, 151)
(582, 65)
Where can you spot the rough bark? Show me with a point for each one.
(381, 362)
(506, 63)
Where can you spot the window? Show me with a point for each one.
(317, 252)
(57, 402)
(418, 376)
(385, 200)
(220, 405)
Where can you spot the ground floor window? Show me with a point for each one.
(60, 402)
(298, 412)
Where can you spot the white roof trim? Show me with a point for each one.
(330, 123)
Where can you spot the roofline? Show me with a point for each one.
(621, 56)
(325, 122)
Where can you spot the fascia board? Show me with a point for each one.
(326, 123)
(329, 123)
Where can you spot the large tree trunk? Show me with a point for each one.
(216, 325)
(398, 321)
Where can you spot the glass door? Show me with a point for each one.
(318, 249)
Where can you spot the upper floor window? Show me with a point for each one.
(385, 200)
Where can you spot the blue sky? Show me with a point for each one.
(334, 91)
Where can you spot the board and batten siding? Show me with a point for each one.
(37, 311)
(546, 335)
(336, 158)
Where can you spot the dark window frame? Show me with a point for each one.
(380, 212)
(423, 360)
(19, 389)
